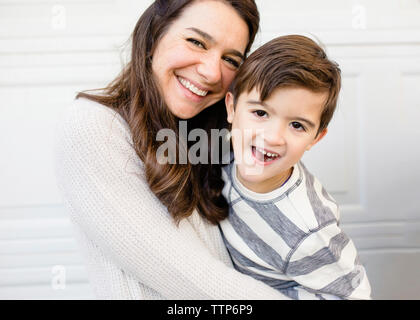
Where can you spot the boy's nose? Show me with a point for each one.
(275, 135)
(210, 69)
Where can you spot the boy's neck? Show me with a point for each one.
(268, 185)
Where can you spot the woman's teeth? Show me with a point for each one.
(192, 87)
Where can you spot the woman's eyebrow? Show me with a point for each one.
(209, 38)
(205, 35)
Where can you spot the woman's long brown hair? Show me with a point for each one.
(135, 96)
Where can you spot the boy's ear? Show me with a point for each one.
(229, 107)
(317, 139)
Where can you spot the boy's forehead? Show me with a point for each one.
(253, 94)
(299, 92)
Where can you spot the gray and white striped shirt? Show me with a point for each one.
(290, 239)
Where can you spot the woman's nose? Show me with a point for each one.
(210, 69)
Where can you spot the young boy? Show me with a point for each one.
(283, 227)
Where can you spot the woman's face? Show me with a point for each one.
(197, 58)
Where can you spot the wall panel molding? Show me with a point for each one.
(47, 55)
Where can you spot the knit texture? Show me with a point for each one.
(133, 249)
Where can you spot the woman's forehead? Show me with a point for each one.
(217, 19)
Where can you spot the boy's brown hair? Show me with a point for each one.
(290, 61)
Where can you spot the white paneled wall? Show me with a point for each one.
(49, 50)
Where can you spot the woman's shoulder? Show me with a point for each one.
(91, 120)
(84, 111)
(88, 130)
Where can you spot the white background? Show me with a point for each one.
(369, 161)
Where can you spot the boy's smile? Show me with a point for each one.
(270, 137)
(264, 156)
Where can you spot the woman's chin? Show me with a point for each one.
(186, 113)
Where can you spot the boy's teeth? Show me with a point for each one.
(269, 154)
(192, 87)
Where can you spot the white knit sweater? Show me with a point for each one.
(132, 247)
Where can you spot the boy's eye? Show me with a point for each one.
(297, 125)
(196, 42)
(260, 113)
(233, 62)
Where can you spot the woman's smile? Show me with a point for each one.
(187, 84)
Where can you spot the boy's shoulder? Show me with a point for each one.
(311, 198)
(303, 195)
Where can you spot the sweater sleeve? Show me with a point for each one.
(102, 182)
(326, 262)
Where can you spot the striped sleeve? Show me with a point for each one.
(326, 262)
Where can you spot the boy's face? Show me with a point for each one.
(284, 126)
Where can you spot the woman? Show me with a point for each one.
(150, 231)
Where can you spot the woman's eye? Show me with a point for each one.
(260, 113)
(297, 126)
(233, 62)
(196, 43)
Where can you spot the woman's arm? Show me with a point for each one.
(101, 178)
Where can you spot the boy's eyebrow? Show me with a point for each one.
(262, 103)
(209, 38)
(309, 123)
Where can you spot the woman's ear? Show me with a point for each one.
(229, 101)
(317, 139)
